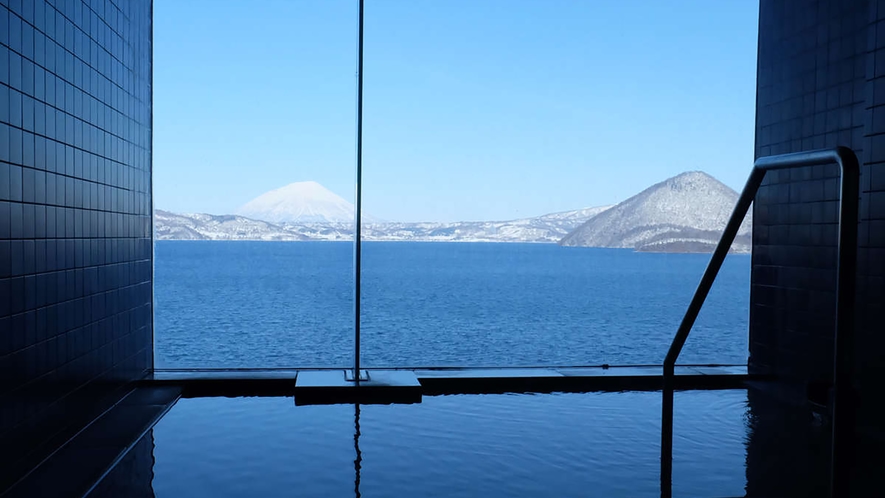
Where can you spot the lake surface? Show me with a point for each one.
(287, 304)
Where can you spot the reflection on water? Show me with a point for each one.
(134, 474)
(726, 443)
(356, 446)
(788, 449)
(604, 444)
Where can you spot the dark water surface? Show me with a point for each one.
(596, 444)
(285, 304)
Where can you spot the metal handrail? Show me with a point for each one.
(846, 267)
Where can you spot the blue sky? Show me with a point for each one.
(474, 109)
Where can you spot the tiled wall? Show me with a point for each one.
(75, 205)
(871, 310)
(821, 72)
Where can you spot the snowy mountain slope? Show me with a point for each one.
(172, 226)
(545, 228)
(686, 212)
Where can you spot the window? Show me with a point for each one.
(252, 107)
(541, 182)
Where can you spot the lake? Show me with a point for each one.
(240, 304)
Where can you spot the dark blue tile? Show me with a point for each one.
(40, 152)
(39, 46)
(40, 262)
(29, 221)
(15, 145)
(5, 262)
(29, 257)
(28, 184)
(4, 180)
(28, 158)
(60, 222)
(877, 205)
(51, 213)
(60, 191)
(5, 114)
(5, 309)
(39, 221)
(16, 220)
(39, 187)
(5, 156)
(17, 292)
(4, 26)
(31, 303)
(49, 98)
(15, 33)
(27, 84)
(5, 220)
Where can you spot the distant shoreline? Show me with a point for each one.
(424, 241)
(737, 253)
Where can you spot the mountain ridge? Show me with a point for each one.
(547, 228)
(201, 226)
(689, 209)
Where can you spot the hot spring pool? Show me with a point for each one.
(593, 444)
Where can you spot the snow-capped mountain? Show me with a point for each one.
(549, 228)
(686, 213)
(299, 202)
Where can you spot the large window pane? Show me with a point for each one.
(545, 114)
(254, 123)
